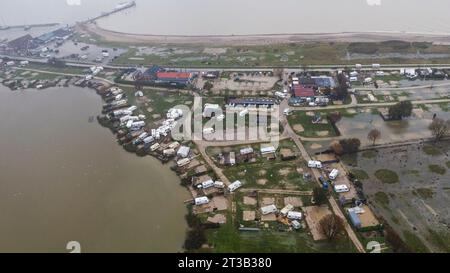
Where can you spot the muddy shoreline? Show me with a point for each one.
(259, 39)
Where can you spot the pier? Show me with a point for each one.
(29, 26)
(119, 8)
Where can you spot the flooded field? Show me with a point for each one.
(410, 188)
(64, 178)
(412, 128)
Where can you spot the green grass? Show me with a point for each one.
(387, 176)
(414, 242)
(227, 239)
(306, 53)
(250, 173)
(448, 164)
(425, 193)
(431, 150)
(382, 198)
(437, 169)
(369, 154)
(360, 174)
(160, 102)
(310, 129)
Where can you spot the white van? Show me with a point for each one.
(315, 164)
(341, 188)
(334, 173)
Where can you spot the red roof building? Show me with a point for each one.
(173, 75)
(302, 91)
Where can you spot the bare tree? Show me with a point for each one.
(439, 128)
(331, 226)
(373, 135)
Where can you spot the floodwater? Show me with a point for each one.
(413, 128)
(63, 178)
(206, 17)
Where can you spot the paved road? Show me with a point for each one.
(406, 88)
(356, 105)
(319, 68)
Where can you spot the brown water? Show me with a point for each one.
(206, 17)
(64, 179)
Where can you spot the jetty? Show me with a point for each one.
(27, 27)
(120, 7)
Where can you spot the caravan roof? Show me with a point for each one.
(269, 209)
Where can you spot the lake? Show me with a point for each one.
(63, 178)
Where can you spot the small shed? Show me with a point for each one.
(183, 151)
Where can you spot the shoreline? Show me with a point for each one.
(260, 39)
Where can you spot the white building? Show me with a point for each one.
(294, 215)
(207, 184)
(267, 150)
(235, 185)
(341, 188)
(211, 109)
(314, 164)
(246, 151)
(268, 209)
(183, 151)
(201, 200)
(183, 162)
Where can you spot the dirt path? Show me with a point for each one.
(335, 207)
(276, 191)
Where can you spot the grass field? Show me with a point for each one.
(227, 239)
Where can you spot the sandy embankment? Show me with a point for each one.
(215, 40)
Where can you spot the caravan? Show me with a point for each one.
(315, 164)
(334, 173)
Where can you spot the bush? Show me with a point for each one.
(387, 176)
(195, 239)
